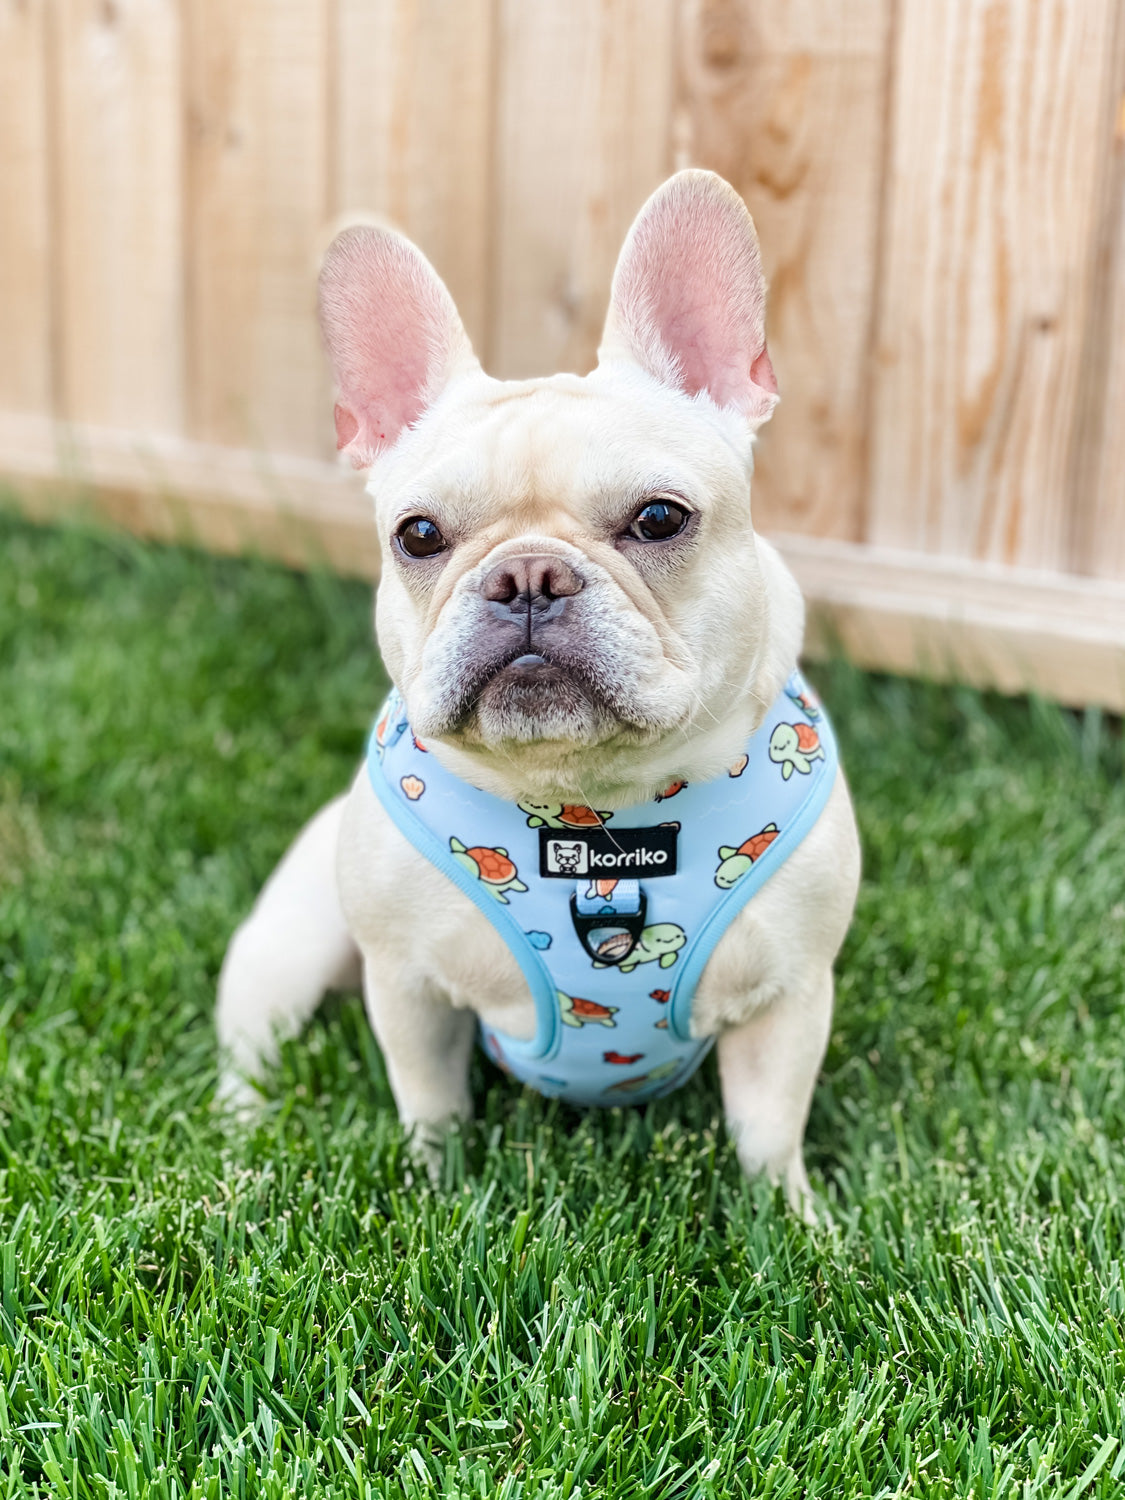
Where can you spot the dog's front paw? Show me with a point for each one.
(799, 1195)
(789, 1175)
(427, 1142)
(425, 1149)
(237, 1100)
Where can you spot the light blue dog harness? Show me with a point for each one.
(612, 916)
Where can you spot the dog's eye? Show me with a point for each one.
(420, 537)
(658, 520)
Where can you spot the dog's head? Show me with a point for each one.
(572, 592)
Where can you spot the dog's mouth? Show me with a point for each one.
(534, 673)
(529, 667)
(594, 677)
(532, 695)
(536, 689)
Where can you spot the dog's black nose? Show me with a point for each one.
(530, 585)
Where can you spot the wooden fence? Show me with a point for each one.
(938, 185)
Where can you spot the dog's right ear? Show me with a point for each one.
(393, 334)
(689, 297)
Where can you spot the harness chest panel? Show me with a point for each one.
(612, 916)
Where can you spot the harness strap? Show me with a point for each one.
(612, 964)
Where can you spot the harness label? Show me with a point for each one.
(608, 854)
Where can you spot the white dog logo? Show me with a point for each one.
(566, 859)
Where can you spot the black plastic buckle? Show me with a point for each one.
(608, 937)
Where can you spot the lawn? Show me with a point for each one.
(587, 1305)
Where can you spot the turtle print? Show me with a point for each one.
(562, 815)
(794, 747)
(736, 862)
(805, 702)
(496, 1052)
(390, 725)
(660, 943)
(382, 725)
(670, 790)
(578, 1012)
(491, 867)
(645, 1080)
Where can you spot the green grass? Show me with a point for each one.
(588, 1305)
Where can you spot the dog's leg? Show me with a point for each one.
(768, 1068)
(292, 947)
(426, 1045)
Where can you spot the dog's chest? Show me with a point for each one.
(473, 965)
(423, 934)
(592, 921)
(418, 930)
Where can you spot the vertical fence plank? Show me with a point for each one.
(986, 273)
(583, 136)
(118, 110)
(257, 204)
(1100, 497)
(413, 125)
(1098, 456)
(25, 308)
(788, 103)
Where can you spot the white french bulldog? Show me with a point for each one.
(614, 511)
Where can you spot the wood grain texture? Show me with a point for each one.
(25, 289)
(257, 205)
(986, 274)
(939, 189)
(303, 512)
(955, 619)
(413, 119)
(582, 137)
(1097, 537)
(118, 141)
(788, 103)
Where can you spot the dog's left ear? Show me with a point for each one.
(393, 336)
(689, 297)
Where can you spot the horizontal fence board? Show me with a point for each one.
(788, 102)
(303, 512)
(997, 626)
(1016, 629)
